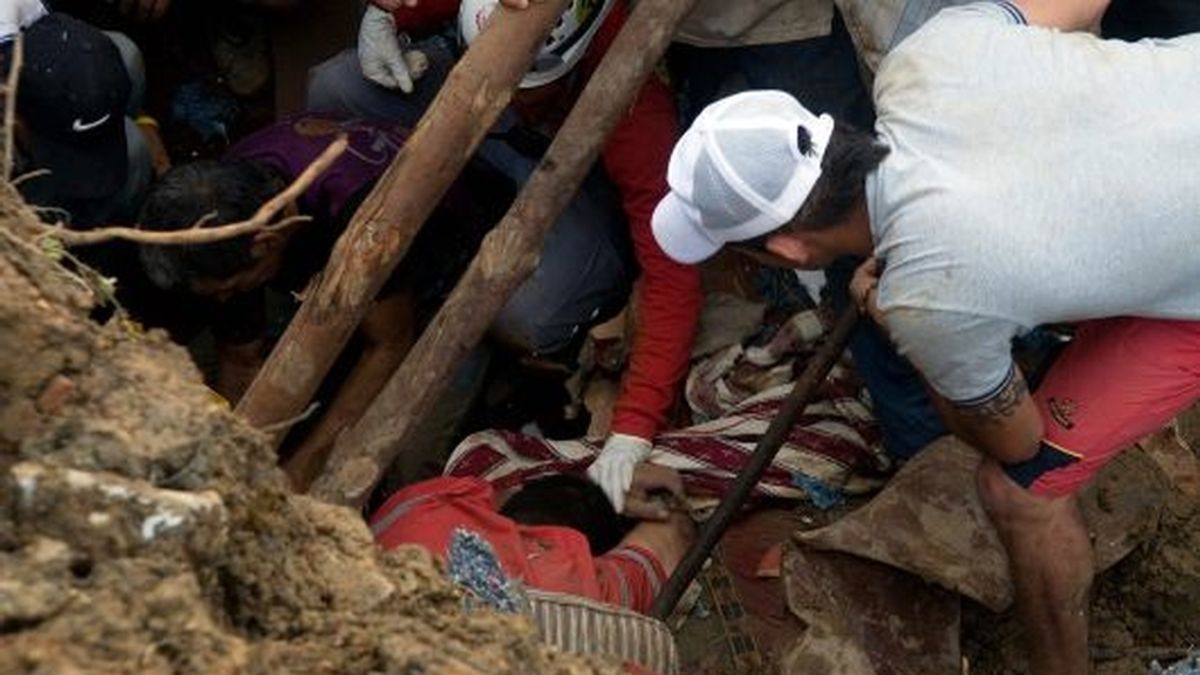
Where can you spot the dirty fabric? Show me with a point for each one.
(578, 625)
(834, 443)
(829, 443)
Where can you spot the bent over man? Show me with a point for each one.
(1020, 175)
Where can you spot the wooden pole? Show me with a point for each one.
(508, 255)
(768, 446)
(476, 91)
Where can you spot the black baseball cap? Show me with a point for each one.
(72, 96)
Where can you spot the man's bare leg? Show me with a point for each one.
(1050, 557)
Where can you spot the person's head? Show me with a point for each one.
(570, 501)
(564, 47)
(759, 170)
(221, 192)
(73, 92)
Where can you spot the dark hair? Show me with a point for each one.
(851, 155)
(233, 190)
(569, 501)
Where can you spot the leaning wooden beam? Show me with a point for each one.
(476, 91)
(508, 255)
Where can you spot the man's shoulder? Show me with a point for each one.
(946, 43)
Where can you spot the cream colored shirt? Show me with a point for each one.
(736, 23)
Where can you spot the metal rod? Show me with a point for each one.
(768, 446)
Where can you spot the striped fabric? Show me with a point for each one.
(630, 576)
(580, 626)
(834, 442)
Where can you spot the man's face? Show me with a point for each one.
(802, 250)
(266, 251)
(794, 250)
(264, 268)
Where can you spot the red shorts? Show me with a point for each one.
(1118, 381)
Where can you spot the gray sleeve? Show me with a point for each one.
(966, 358)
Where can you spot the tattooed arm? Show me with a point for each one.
(1006, 426)
(966, 359)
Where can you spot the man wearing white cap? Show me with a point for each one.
(1020, 174)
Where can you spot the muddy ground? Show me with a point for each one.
(143, 528)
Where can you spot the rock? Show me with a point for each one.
(863, 617)
(929, 521)
(105, 514)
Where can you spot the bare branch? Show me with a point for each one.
(36, 173)
(10, 105)
(261, 221)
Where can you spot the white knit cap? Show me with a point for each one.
(739, 172)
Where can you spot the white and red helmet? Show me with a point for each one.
(568, 40)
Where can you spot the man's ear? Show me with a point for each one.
(791, 246)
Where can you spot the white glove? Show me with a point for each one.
(381, 52)
(16, 15)
(613, 469)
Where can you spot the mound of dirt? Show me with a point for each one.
(144, 528)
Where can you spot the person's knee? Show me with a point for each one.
(997, 493)
(1032, 525)
(326, 79)
(1010, 505)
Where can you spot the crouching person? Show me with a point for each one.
(982, 227)
(225, 283)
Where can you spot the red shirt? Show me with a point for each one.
(547, 557)
(636, 158)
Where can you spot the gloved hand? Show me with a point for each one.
(381, 52)
(613, 469)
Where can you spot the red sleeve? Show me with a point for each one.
(636, 158)
(630, 576)
(427, 17)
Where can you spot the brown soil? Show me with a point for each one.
(144, 528)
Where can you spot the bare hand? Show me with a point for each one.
(864, 289)
(655, 492)
(145, 10)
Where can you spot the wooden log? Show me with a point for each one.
(476, 91)
(508, 255)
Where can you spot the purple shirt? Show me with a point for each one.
(293, 143)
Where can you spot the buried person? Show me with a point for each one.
(557, 533)
(1075, 203)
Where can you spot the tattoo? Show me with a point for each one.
(1003, 404)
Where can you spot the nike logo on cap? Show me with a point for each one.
(81, 126)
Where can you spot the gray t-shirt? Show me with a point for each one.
(1034, 177)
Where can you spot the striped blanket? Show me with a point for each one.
(834, 444)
